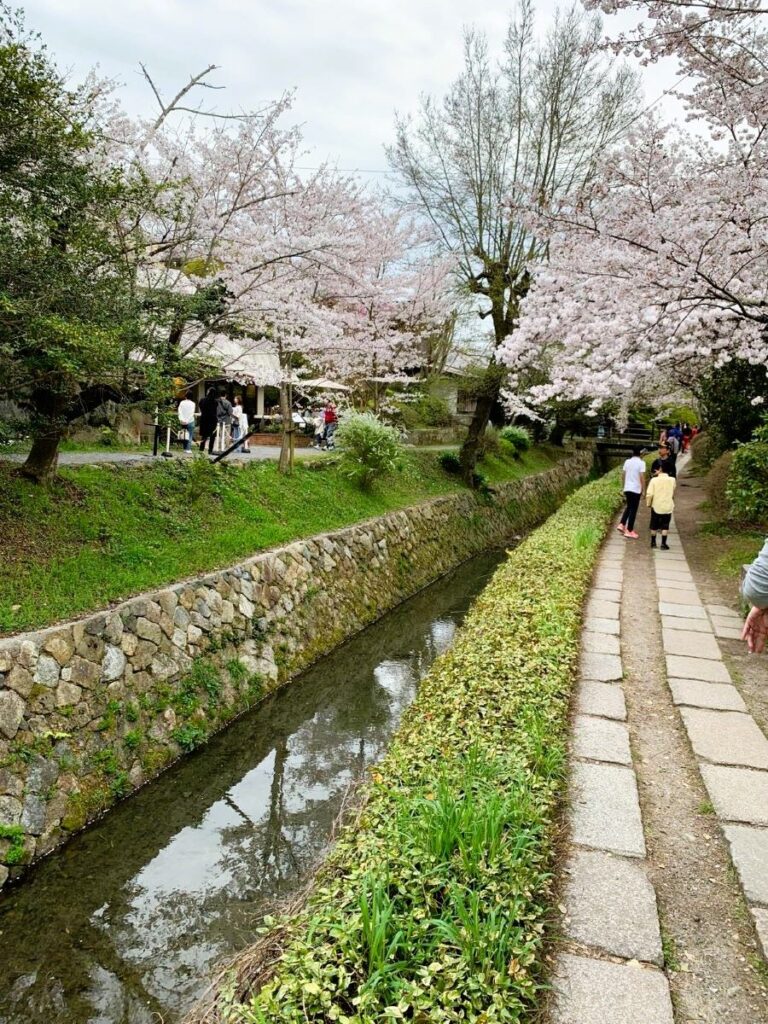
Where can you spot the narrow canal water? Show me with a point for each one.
(125, 924)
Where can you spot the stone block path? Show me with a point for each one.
(730, 747)
(610, 968)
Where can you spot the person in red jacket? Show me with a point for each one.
(331, 422)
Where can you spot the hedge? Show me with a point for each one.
(433, 905)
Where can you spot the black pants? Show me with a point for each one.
(209, 435)
(630, 512)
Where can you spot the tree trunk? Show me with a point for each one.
(44, 456)
(284, 465)
(470, 450)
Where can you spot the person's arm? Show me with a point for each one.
(755, 590)
(649, 492)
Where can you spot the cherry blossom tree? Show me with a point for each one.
(531, 127)
(658, 269)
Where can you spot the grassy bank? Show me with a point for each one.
(734, 542)
(433, 905)
(102, 533)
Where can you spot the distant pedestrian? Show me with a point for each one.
(666, 458)
(633, 474)
(224, 420)
(237, 419)
(186, 414)
(318, 422)
(687, 435)
(660, 498)
(331, 422)
(208, 419)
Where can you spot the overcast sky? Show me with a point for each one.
(352, 62)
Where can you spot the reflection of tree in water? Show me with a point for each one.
(129, 919)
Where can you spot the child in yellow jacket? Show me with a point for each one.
(660, 497)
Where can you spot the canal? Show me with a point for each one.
(125, 924)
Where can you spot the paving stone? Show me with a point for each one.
(721, 609)
(603, 609)
(726, 737)
(682, 611)
(738, 794)
(727, 621)
(698, 694)
(598, 625)
(599, 593)
(608, 585)
(691, 644)
(749, 850)
(599, 992)
(601, 740)
(611, 905)
(671, 596)
(672, 572)
(728, 634)
(601, 667)
(697, 668)
(612, 574)
(600, 643)
(694, 625)
(605, 810)
(761, 923)
(679, 585)
(603, 699)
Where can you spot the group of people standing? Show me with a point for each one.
(220, 420)
(659, 494)
(223, 423)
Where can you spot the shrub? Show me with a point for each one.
(434, 411)
(489, 443)
(518, 437)
(704, 451)
(747, 487)
(450, 462)
(370, 448)
(716, 483)
(433, 904)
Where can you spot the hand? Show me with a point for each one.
(755, 630)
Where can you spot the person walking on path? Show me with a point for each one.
(668, 460)
(208, 420)
(633, 486)
(186, 414)
(755, 590)
(660, 498)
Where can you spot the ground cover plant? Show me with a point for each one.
(434, 903)
(98, 534)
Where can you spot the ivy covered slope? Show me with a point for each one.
(434, 903)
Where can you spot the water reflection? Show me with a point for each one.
(127, 921)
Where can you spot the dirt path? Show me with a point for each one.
(711, 953)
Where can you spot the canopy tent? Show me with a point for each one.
(321, 384)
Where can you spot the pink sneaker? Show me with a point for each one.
(631, 534)
(621, 528)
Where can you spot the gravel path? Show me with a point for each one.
(669, 790)
(258, 452)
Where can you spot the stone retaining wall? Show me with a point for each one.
(92, 709)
